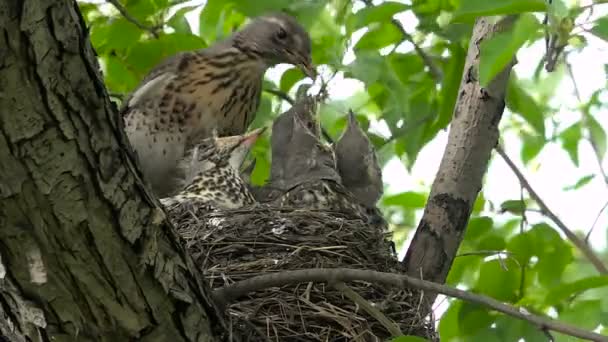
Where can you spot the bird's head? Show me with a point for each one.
(215, 152)
(278, 38)
(235, 148)
(357, 162)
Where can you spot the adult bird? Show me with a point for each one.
(211, 173)
(186, 97)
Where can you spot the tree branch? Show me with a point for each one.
(428, 61)
(473, 134)
(333, 275)
(107, 266)
(578, 242)
(153, 30)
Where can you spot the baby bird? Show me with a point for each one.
(211, 173)
(358, 164)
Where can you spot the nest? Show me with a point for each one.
(230, 246)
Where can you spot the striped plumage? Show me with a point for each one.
(191, 94)
(211, 173)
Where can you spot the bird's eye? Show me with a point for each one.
(282, 34)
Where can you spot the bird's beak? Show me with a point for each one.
(250, 138)
(308, 68)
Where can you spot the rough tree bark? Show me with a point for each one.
(85, 254)
(473, 135)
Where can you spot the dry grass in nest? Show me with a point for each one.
(231, 246)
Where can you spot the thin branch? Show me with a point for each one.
(595, 222)
(123, 11)
(578, 242)
(333, 275)
(428, 61)
(280, 94)
(389, 325)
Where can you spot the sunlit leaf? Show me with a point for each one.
(521, 103)
(513, 206)
(179, 22)
(450, 84)
(583, 314)
(289, 78)
(580, 183)
(531, 147)
(379, 36)
(406, 200)
(570, 139)
(470, 9)
(564, 291)
(382, 12)
(597, 136)
(600, 29)
(499, 279)
(500, 49)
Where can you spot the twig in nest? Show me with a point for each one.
(227, 294)
(578, 242)
(370, 309)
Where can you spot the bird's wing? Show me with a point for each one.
(155, 82)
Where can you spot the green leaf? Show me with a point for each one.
(383, 12)
(477, 227)
(580, 183)
(512, 329)
(470, 9)
(256, 8)
(409, 339)
(597, 136)
(583, 314)
(450, 84)
(553, 253)
(500, 49)
(531, 147)
(379, 37)
(118, 77)
(472, 318)
(570, 138)
(449, 328)
(600, 29)
(179, 22)
(513, 206)
(498, 282)
(521, 103)
(564, 291)
(289, 78)
(406, 200)
(368, 67)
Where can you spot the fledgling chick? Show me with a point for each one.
(186, 97)
(358, 164)
(211, 173)
(311, 178)
(282, 131)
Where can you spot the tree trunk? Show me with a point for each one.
(86, 253)
(473, 135)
